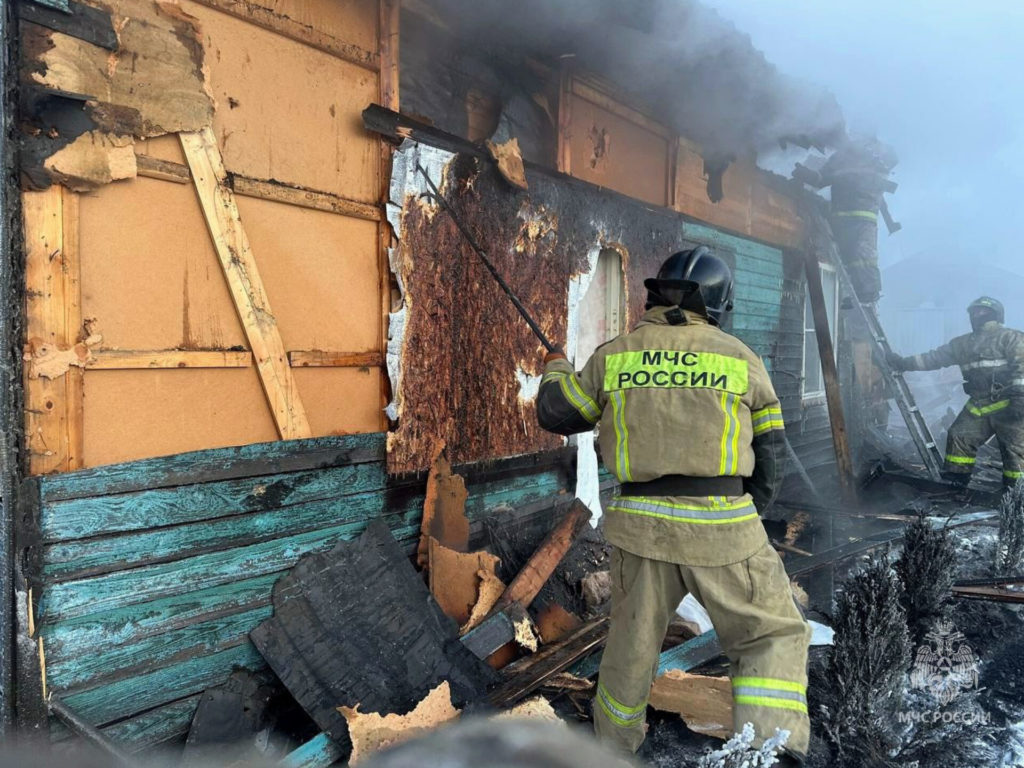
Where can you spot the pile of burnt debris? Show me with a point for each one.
(373, 652)
(369, 647)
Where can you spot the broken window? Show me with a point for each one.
(814, 382)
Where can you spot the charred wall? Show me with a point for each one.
(11, 271)
(466, 357)
(466, 352)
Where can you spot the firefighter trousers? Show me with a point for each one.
(974, 427)
(758, 624)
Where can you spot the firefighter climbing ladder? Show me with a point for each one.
(904, 398)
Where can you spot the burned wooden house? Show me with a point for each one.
(237, 332)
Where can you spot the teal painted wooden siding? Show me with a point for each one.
(151, 574)
(759, 285)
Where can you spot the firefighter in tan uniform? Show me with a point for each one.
(691, 427)
(991, 359)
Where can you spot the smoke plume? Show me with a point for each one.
(679, 56)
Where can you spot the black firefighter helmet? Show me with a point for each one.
(985, 309)
(696, 280)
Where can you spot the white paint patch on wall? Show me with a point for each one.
(578, 286)
(588, 486)
(529, 385)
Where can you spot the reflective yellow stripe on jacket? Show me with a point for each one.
(618, 400)
(856, 215)
(767, 419)
(579, 399)
(716, 513)
(730, 435)
(987, 409)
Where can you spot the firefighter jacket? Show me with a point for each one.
(991, 360)
(681, 399)
(857, 185)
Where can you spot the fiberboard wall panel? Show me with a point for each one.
(691, 194)
(150, 277)
(136, 414)
(320, 272)
(749, 206)
(352, 21)
(341, 400)
(287, 111)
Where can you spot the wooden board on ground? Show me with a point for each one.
(496, 630)
(326, 637)
(523, 677)
(686, 656)
(549, 554)
(554, 623)
(704, 703)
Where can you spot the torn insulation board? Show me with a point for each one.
(489, 591)
(444, 510)
(83, 104)
(510, 161)
(526, 634)
(537, 708)
(92, 159)
(456, 579)
(371, 732)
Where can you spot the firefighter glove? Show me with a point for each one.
(555, 354)
(896, 362)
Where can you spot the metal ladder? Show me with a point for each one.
(916, 424)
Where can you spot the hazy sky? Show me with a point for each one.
(943, 82)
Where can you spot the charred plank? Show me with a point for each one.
(997, 594)
(93, 25)
(356, 625)
(549, 554)
(525, 676)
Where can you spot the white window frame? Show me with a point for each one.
(818, 393)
